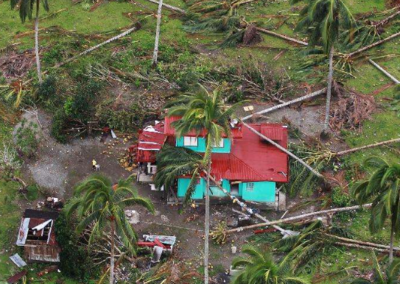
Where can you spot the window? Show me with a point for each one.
(250, 186)
(220, 144)
(189, 141)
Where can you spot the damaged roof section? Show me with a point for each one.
(37, 235)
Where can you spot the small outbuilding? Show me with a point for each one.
(37, 235)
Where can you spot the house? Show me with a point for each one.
(246, 165)
(36, 234)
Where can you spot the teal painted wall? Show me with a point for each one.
(201, 145)
(215, 191)
(263, 191)
(183, 184)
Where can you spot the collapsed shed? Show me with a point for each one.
(37, 235)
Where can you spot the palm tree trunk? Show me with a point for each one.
(345, 152)
(390, 76)
(170, 7)
(299, 217)
(303, 98)
(207, 224)
(112, 252)
(268, 32)
(157, 40)
(39, 72)
(373, 45)
(329, 90)
(391, 244)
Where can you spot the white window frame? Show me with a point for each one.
(190, 141)
(221, 144)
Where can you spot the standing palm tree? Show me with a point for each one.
(97, 202)
(26, 8)
(383, 187)
(204, 111)
(322, 20)
(260, 268)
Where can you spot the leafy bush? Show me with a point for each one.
(32, 192)
(27, 138)
(47, 92)
(75, 261)
(59, 123)
(340, 198)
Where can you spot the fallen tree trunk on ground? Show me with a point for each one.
(384, 71)
(169, 7)
(387, 19)
(372, 45)
(284, 150)
(131, 30)
(157, 37)
(303, 98)
(268, 32)
(362, 247)
(341, 153)
(299, 217)
(347, 240)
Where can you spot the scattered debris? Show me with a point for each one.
(16, 65)
(17, 277)
(18, 260)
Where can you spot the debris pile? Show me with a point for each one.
(16, 65)
(351, 110)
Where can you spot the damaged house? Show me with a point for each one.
(36, 234)
(246, 165)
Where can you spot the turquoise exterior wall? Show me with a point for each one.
(215, 191)
(201, 145)
(183, 184)
(263, 191)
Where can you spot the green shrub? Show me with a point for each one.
(340, 198)
(32, 192)
(59, 123)
(47, 94)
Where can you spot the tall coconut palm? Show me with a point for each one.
(200, 112)
(383, 188)
(323, 21)
(99, 203)
(26, 8)
(260, 268)
(390, 275)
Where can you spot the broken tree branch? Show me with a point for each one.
(362, 247)
(372, 45)
(299, 217)
(169, 7)
(135, 28)
(341, 153)
(268, 32)
(384, 71)
(303, 98)
(284, 150)
(387, 19)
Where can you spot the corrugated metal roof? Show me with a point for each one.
(170, 131)
(272, 132)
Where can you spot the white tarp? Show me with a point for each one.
(42, 225)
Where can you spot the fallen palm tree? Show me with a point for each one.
(271, 109)
(357, 242)
(371, 45)
(345, 152)
(299, 217)
(157, 37)
(268, 32)
(136, 27)
(390, 76)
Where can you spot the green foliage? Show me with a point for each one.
(32, 192)
(58, 124)
(47, 93)
(75, 260)
(259, 267)
(322, 19)
(340, 198)
(26, 7)
(27, 139)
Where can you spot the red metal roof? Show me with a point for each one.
(170, 131)
(252, 159)
(151, 139)
(272, 132)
